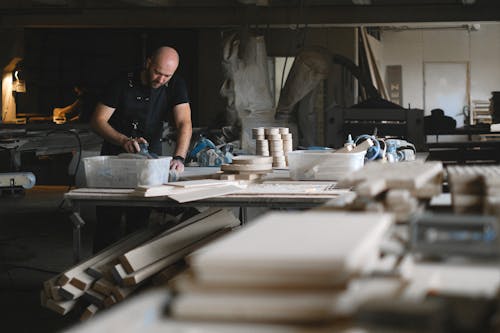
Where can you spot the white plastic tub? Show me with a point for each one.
(323, 165)
(114, 172)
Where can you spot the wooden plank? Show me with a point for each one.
(196, 228)
(103, 286)
(168, 273)
(193, 195)
(89, 312)
(141, 275)
(120, 247)
(373, 62)
(109, 301)
(153, 191)
(94, 297)
(198, 183)
(104, 267)
(120, 293)
(369, 60)
(371, 188)
(70, 292)
(51, 290)
(257, 306)
(119, 273)
(82, 281)
(267, 167)
(101, 269)
(61, 307)
(294, 249)
(403, 175)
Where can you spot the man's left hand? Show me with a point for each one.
(177, 165)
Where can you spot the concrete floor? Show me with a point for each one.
(35, 244)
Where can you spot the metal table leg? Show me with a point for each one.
(243, 215)
(78, 222)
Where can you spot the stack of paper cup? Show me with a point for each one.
(275, 142)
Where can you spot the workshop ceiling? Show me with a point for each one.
(220, 13)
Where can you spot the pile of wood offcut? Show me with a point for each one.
(112, 274)
(400, 188)
(475, 189)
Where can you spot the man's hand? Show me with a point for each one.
(131, 145)
(177, 165)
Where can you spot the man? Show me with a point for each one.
(131, 112)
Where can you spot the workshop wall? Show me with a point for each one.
(57, 59)
(411, 48)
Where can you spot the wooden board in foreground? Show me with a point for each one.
(296, 249)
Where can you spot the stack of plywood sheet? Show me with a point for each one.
(275, 142)
(247, 167)
(111, 275)
(285, 267)
(475, 189)
(394, 187)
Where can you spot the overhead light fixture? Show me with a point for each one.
(363, 2)
(468, 2)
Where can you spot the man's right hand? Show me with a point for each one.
(131, 145)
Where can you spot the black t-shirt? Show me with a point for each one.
(141, 110)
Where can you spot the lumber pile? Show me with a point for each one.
(276, 142)
(114, 273)
(399, 188)
(284, 268)
(475, 189)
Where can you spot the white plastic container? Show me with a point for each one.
(114, 172)
(323, 165)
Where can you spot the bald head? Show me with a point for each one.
(161, 66)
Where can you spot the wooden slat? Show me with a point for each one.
(95, 298)
(194, 229)
(120, 247)
(70, 292)
(61, 307)
(141, 275)
(89, 312)
(82, 281)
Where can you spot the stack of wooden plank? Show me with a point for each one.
(475, 188)
(394, 187)
(247, 167)
(273, 141)
(111, 275)
(284, 267)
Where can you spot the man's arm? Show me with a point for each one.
(182, 119)
(99, 123)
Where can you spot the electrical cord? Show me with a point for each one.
(38, 269)
(12, 285)
(375, 142)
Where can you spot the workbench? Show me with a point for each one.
(46, 139)
(258, 195)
